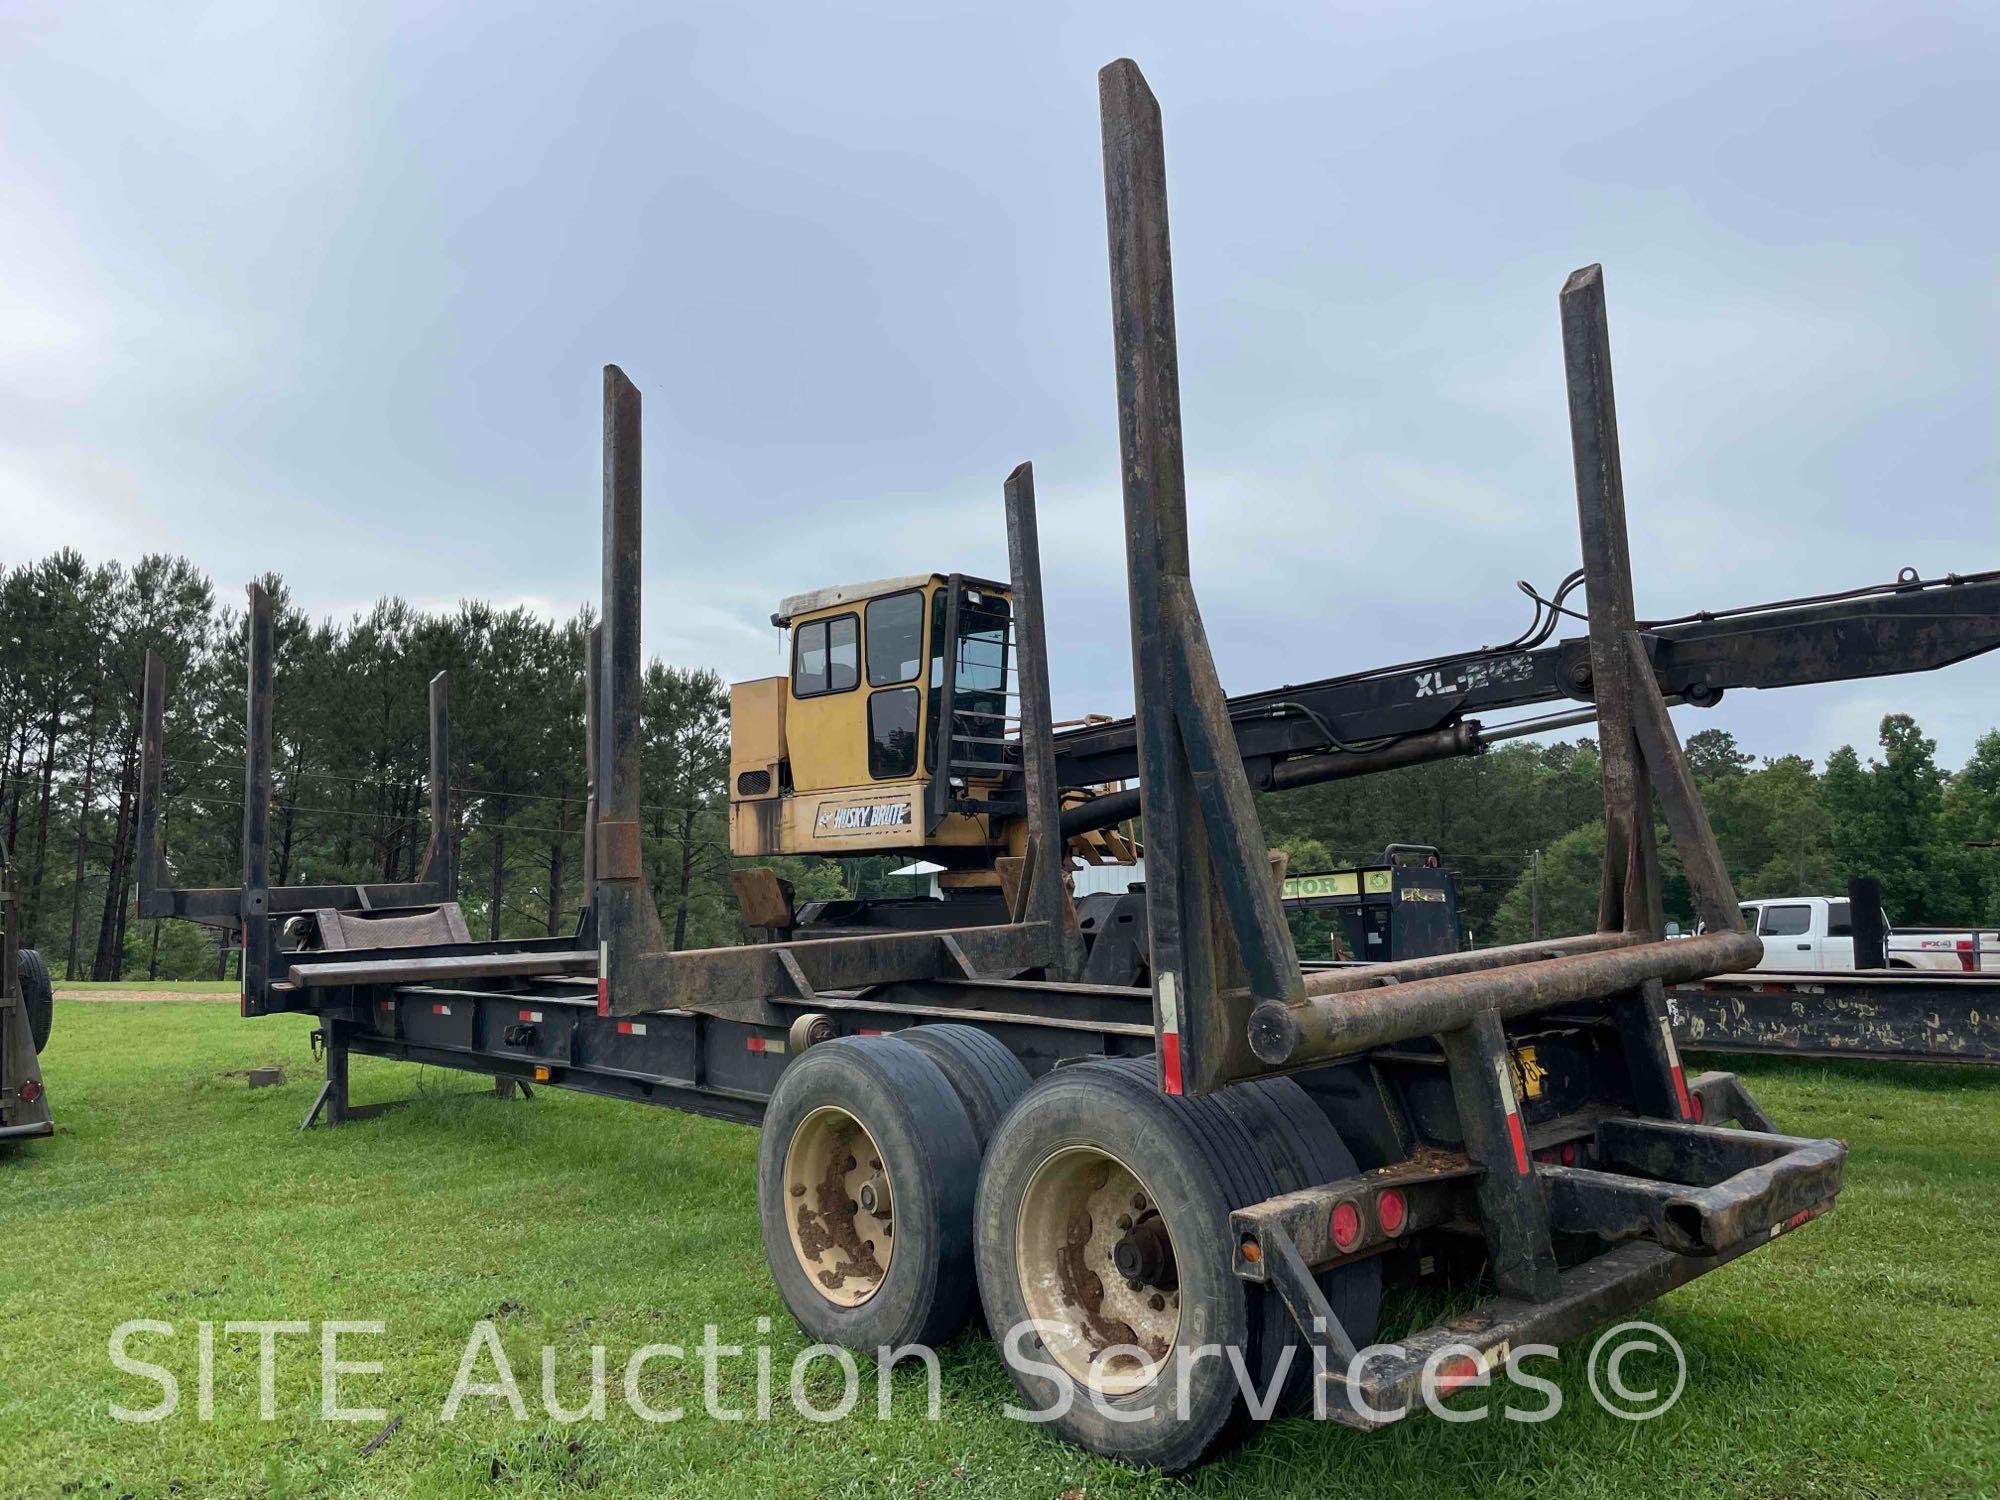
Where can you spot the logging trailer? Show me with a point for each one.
(1000, 1100)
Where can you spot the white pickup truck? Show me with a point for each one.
(1817, 932)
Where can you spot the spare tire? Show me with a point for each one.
(38, 995)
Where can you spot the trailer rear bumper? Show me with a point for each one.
(1693, 1189)
(28, 1131)
(1390, 1380)
(1672, 1199)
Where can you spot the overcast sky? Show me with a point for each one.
(326, 289)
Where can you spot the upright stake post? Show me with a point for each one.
(593, 670)
(256, 955)
(440, 859)
(1178, 892)
(1205, 853)
(155, 878)
(1629, 894)
(1043, 899)
(1634, 731)
(627, 923)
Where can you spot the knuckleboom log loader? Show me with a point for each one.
(1231, 1150)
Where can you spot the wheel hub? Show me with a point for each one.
(1097, 1270)
(839, 1206)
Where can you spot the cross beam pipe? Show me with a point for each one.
(1375, 976)
(1333, 1026)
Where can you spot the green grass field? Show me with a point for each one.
(1854, 1359)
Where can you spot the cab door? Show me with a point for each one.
(825, 728)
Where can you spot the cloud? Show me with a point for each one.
(328, 292)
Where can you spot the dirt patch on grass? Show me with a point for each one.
(65, 993)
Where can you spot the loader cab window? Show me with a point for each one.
(826, 656)
(895, 638)
(892, 734)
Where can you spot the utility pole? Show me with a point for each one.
(1535, 895)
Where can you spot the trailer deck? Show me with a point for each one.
(1901, 1015)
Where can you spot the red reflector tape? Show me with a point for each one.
(766, 1045)
(1170, 1032)
(1681, 1095)
(1457, 1373)
(1515, 1134)
(631, 1028)
(531, 1015)
(440, 1010)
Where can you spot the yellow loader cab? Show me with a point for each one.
(892, 732)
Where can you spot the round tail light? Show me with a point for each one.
(1346, 1225)
(1391, 1210)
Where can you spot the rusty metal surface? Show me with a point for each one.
(1332, 1026)
(1374, 976)
(432, 970)
(1696, 1190)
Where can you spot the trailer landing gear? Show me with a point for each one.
(331, 1105)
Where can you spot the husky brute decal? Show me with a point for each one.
(861, 817)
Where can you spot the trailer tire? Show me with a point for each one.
(826, 1249)
(1058, 1167)
(38, 996)
(1304, 1150)
(986, 1076)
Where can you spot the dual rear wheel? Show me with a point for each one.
(906, 1182)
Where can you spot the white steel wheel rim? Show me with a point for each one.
(839, 1211)
(1105, 1330)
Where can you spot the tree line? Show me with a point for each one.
(350, 758)
(1520, 826)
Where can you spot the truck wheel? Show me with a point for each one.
(38, 996)
(1302, 1149)
(986, 1076)
(1105, 1263)
(865, 1183)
